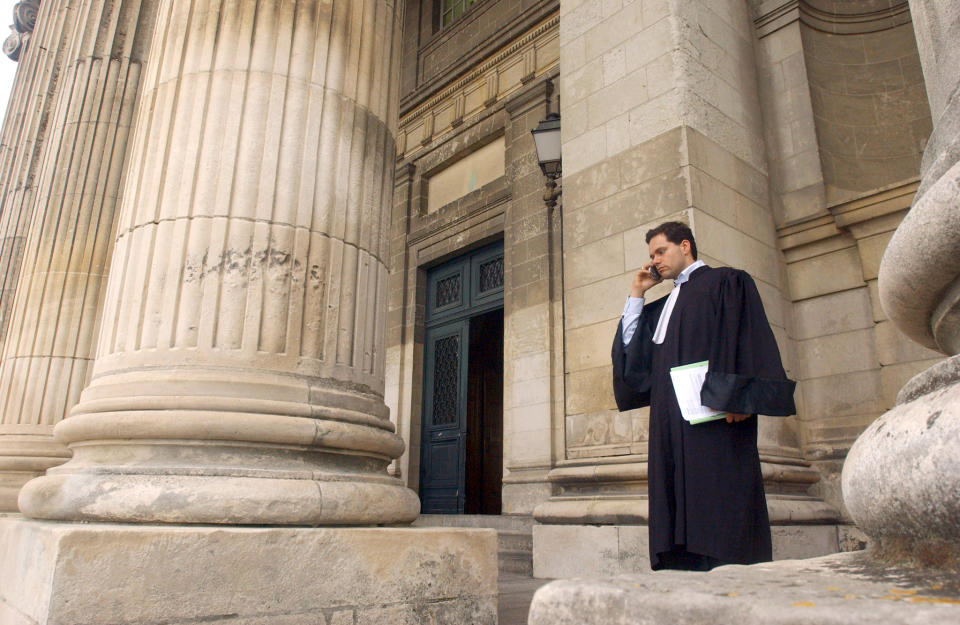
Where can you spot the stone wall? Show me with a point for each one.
(846, 120)
(662, 120)
(491, 101)
(787, 133)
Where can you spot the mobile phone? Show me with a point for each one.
(654, 272)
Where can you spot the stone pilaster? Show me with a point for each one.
(533, 329)
(239, 372)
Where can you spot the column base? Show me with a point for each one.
(60, 573)
(26, 451)
(238, 460)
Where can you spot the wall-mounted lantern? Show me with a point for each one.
(546, 136)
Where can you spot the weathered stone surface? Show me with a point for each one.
(562, 551)
(834, 313)
(803, 541)
(925, 310)
(936, 377)
(521, 497)
(92, 574)
(843, 267)
(842, 589)
(918, 513)
(795, 172)
(871, 114)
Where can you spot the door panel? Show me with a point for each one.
(444, 423)
(461, 437)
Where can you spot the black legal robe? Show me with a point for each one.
(705, 487)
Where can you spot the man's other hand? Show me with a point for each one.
(735, 416)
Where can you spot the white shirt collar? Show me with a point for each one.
(685, 274)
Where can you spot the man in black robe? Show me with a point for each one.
(706, 499)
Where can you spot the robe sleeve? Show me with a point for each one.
(745, 372)
(632, 363)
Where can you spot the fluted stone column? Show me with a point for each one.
(55, 315)
(26, 447)
(239, 373)
(24, 135)
(917, 515)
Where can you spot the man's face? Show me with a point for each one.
(669, 258)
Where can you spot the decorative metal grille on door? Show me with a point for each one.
(491, 274)
(446, 380)
(448, 291)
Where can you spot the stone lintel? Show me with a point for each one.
(846, 589)
(57, 573)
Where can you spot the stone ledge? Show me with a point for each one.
(72, 574)
(841, 589)
(561, 551)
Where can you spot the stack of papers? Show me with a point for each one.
(687, 382)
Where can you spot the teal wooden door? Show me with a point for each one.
(444, 430)
(456, 291)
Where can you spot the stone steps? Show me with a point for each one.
(514, 536)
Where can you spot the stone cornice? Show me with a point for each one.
(468, 61)
(852, 21)
(802, 232)
(476, 73)
(878, 210)
(886, 202)
(530, 57)
(773, 15)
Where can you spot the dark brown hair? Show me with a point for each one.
(675, 232)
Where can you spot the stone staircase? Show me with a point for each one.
(514, 536)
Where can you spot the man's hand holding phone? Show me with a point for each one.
(644, 279)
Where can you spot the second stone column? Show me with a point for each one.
(239, 375)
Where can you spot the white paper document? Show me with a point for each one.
(687, 382)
